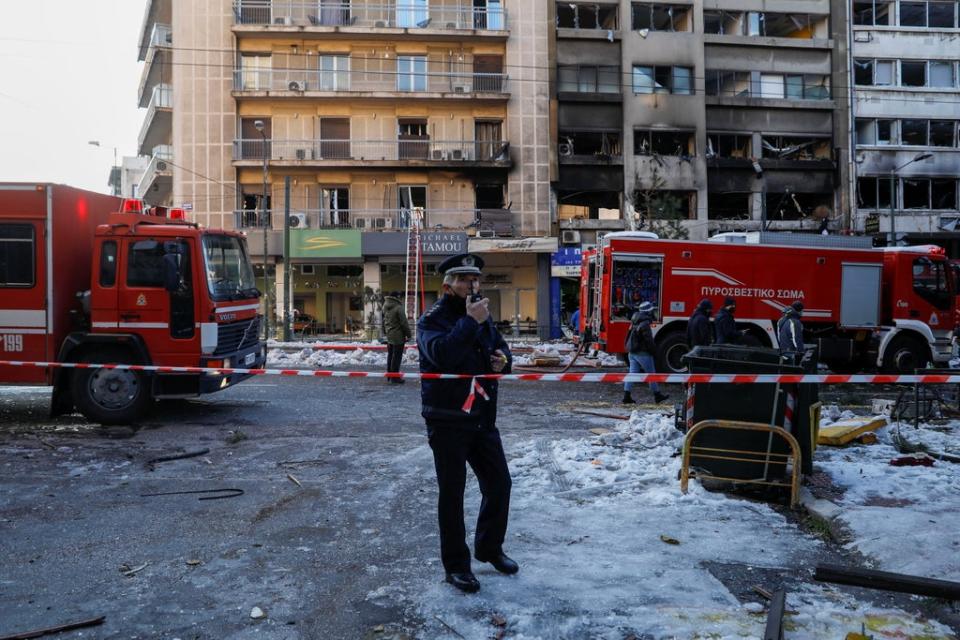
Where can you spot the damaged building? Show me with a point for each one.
(719, 114)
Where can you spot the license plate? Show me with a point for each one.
(250, 358)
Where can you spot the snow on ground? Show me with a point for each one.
(589, 518)
(311, 356)
(904, 518)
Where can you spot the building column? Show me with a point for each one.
(371, 280)
(543, 296)
(280, 301)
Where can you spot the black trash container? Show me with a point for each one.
(749, 403)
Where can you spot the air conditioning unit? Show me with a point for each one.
(298, 221)
(286, 21)
(360, 223)
(437, 154)
(461, 88)
(570, 236)
(301, 154)
(161, 166)
(457, 154)
(565, 149)
(297, 85)
(307, 269)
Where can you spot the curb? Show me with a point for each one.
(823, 509)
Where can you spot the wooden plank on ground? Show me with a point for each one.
(887, 581)
(845, 431)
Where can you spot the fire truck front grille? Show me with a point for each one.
(233, 336)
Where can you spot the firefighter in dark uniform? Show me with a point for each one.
(457, 336)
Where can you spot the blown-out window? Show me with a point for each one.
(17, 255)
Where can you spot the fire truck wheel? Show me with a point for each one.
(670, 350)
(110, 396)
(904, 354)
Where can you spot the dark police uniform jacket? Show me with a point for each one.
(450, 341)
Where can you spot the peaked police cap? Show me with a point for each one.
(462, 263)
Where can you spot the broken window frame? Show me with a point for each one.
(945, 131)
(870, 10)
(913, 192)
(607, 145)
(907, 67)
(877, 189)
(925, 13)
(587, 16)
(947, 198)
(720, 144)
(646, 141)
(662, 79)
(643, 16)
(917, 129)
(802, 148)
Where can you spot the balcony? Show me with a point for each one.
(271, 83)
(157, 181)
(157, 125)
(362, 219)
(373, 153)
(155, 11)
(413, 17)
(159, 56)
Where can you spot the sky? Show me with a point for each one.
(68, 75)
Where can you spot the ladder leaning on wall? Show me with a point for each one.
(414, 266)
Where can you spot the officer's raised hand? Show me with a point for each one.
(498, 360)
(478, 310)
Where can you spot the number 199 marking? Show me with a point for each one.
(12, 342)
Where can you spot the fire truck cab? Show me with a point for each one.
(89, 278)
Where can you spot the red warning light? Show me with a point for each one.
(82, 209)
(178, 214)
(132, 206)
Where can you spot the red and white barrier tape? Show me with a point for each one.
(677, 378)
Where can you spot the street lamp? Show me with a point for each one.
(258, 125)
(113, 183)
(893, 193)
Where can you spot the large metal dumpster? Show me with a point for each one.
(782, 405)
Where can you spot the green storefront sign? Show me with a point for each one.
(307, 243)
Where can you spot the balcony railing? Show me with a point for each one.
(361, 219)
(161, 100)
(158, 167)
(412, 14)
(438, 151)
(303, 80)
(161, 36)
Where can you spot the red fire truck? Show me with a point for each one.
(892, 308)
(91, 278)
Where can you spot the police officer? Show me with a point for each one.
(457, 336)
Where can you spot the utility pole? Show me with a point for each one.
(264, 222)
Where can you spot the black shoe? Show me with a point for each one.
(627, 399)
(660, 397)
(501, 563)
(466, 582)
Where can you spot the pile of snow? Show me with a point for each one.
(322, 359)
(610, 548)
(903, 517)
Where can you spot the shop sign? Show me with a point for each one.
(394, 243)
(324, 244)
(443, 244)
(565, 263)
(871, 223)
(513, 245)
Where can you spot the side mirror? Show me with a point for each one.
(171, 272)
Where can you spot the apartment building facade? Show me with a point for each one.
(350, 121)
(906, 109)
(719, 114)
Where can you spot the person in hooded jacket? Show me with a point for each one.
(457, 335)
(640, 349)
(790, 331)
(397, 331)
(698, 326)
(725, 326)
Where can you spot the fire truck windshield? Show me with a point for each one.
(229, 274)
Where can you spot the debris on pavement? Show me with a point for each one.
(888, 581)
(257, 613)
(843, 432)
(93, 622)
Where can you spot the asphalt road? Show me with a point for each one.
(338, 500)
(73, 514)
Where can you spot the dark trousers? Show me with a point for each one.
(394, 357)
(454, 447)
